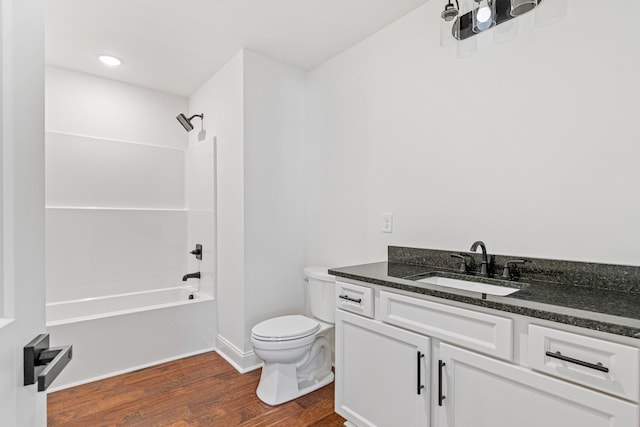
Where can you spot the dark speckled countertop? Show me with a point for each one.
(605, 308)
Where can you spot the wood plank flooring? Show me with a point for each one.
(202, 390)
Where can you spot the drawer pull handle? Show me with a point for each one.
(441, 397)
(597, 366)
(348, 298)
(420, 386)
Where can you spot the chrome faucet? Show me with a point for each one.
(191, 276)
(485, 260)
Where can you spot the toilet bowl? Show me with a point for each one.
(295, 349)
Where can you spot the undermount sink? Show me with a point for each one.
(468, 285)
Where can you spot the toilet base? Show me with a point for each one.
(279, 384)
(282, 382)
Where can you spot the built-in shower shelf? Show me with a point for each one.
(111, 208)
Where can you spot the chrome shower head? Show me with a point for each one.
(186, 122)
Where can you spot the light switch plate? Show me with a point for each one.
(387, 222)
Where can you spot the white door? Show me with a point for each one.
(478, 391)
(382, 373)
(22, 292)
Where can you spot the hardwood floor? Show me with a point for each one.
(202, 390)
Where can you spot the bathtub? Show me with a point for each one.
(122, 333)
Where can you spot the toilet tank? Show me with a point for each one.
(321, 293)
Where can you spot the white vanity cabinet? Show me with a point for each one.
(382, 373)
(473, 390)
(599, 364)
(472, 374)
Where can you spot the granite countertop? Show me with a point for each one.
(611, 310)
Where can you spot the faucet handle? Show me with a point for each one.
(463, 263)
(511, 271)
(197, 251)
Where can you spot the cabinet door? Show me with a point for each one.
(482, 392)
(382, 373)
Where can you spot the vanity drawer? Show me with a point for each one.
(603, 365)
(485, 333)
(354, 298)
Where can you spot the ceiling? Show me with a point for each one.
(176, 45)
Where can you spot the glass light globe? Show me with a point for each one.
(484, 14)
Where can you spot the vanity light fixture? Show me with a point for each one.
(484, 14)
(110, 60)
(519, 7)
(450, 11)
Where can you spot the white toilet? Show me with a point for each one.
(295, 349)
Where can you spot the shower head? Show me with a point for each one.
(186, 123)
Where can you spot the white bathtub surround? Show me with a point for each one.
(120, 228)
(200, 197)
(73, 311)
(123, 333)
(93, 171)
(97, 252)
(255, 107)
(115, 220)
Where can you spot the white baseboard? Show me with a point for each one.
(242, 361)
(126, 371)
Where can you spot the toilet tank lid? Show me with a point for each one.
(317, 272)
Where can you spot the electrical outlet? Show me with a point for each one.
(387, 222)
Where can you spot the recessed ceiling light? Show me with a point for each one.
(109, 60)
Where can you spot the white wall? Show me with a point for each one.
(82, 104)
(274, 99)
(220, 99)
(254, 107)
(530, 146)
(115, 220)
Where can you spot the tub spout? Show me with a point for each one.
(191, 276)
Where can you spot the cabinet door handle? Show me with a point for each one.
(441, 397)
(420, 385)
(348, 298)
(597, 366)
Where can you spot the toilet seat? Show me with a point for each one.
(285, 328)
